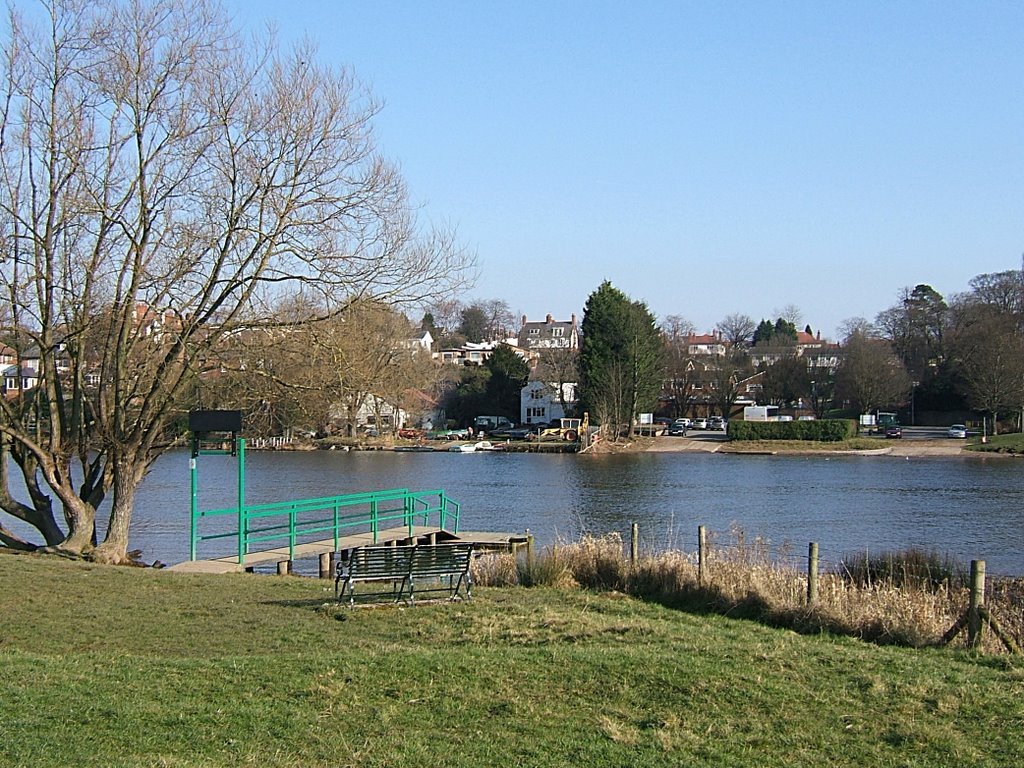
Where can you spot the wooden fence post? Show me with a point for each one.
(529, 553)
(634, 544)
(702, 555)
(812, 573)
(976, 604)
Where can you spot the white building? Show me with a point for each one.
(539, 401)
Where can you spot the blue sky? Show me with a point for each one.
(706, 158)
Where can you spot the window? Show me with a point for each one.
(535, 331)
(536, 394)
(558, 332)
(535, 413)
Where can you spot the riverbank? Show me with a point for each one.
(902, 448)
(244, 670)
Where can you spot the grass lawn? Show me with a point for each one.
(110, 666)
(1009, 443)
(816, 446)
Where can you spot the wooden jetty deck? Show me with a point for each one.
(281, 557)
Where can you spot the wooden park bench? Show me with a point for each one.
(410, 571)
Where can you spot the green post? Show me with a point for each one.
(243, 521)
(193, 475)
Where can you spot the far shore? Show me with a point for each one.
(907, 448)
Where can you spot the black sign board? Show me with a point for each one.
(215, 421)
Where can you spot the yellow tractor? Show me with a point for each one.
(568, 429)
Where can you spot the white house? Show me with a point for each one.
(539, 401)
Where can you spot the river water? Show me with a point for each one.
(964, 507)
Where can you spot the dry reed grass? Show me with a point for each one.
(744, 580)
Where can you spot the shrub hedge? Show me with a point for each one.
(821, 430)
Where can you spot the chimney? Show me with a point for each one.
(524, 319)
(573, 318)
(549, 320)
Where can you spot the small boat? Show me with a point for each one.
(487, 445)
(483, 445)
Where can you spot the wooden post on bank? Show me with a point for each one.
(530, 554)
(702, 555)
(812, 573)
(977, 603)
(284, 567)
(325, 565)
(977, 615)
(634, 544)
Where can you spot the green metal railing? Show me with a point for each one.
(269, 526)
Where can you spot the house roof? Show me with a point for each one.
(536, 333)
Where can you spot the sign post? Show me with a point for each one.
(202, 424)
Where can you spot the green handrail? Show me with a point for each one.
(303, 520)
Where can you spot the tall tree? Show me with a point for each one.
(916, 326)
(870, 375)
(167, 184)
(989, 351)
(621, 359)
(474, 324)
(786, 381)
(781, 333)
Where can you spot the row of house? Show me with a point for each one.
(541, 401)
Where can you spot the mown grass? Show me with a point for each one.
(1010, 443)
(133, 667)
(795, 446)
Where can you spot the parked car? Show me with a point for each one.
(677, 429)
(716, 422)
(957, 430)
(894, 430)
(512, 433)
(700, 423)
(684, 421)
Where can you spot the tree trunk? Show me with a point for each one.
(114, 549)
(81, 525)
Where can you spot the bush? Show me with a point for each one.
(821, 430)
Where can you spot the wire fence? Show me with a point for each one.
(903, 597)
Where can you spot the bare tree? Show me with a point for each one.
(989, 351)
(791, 314)
(724, 376)
(677, 328)
(166, 184)
(856, 326)
(737, 329)
(559, 370)
(682, 372)
(870, 375)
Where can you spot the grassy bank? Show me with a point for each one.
(132, 667)
(1012, 444)
(797, 446)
